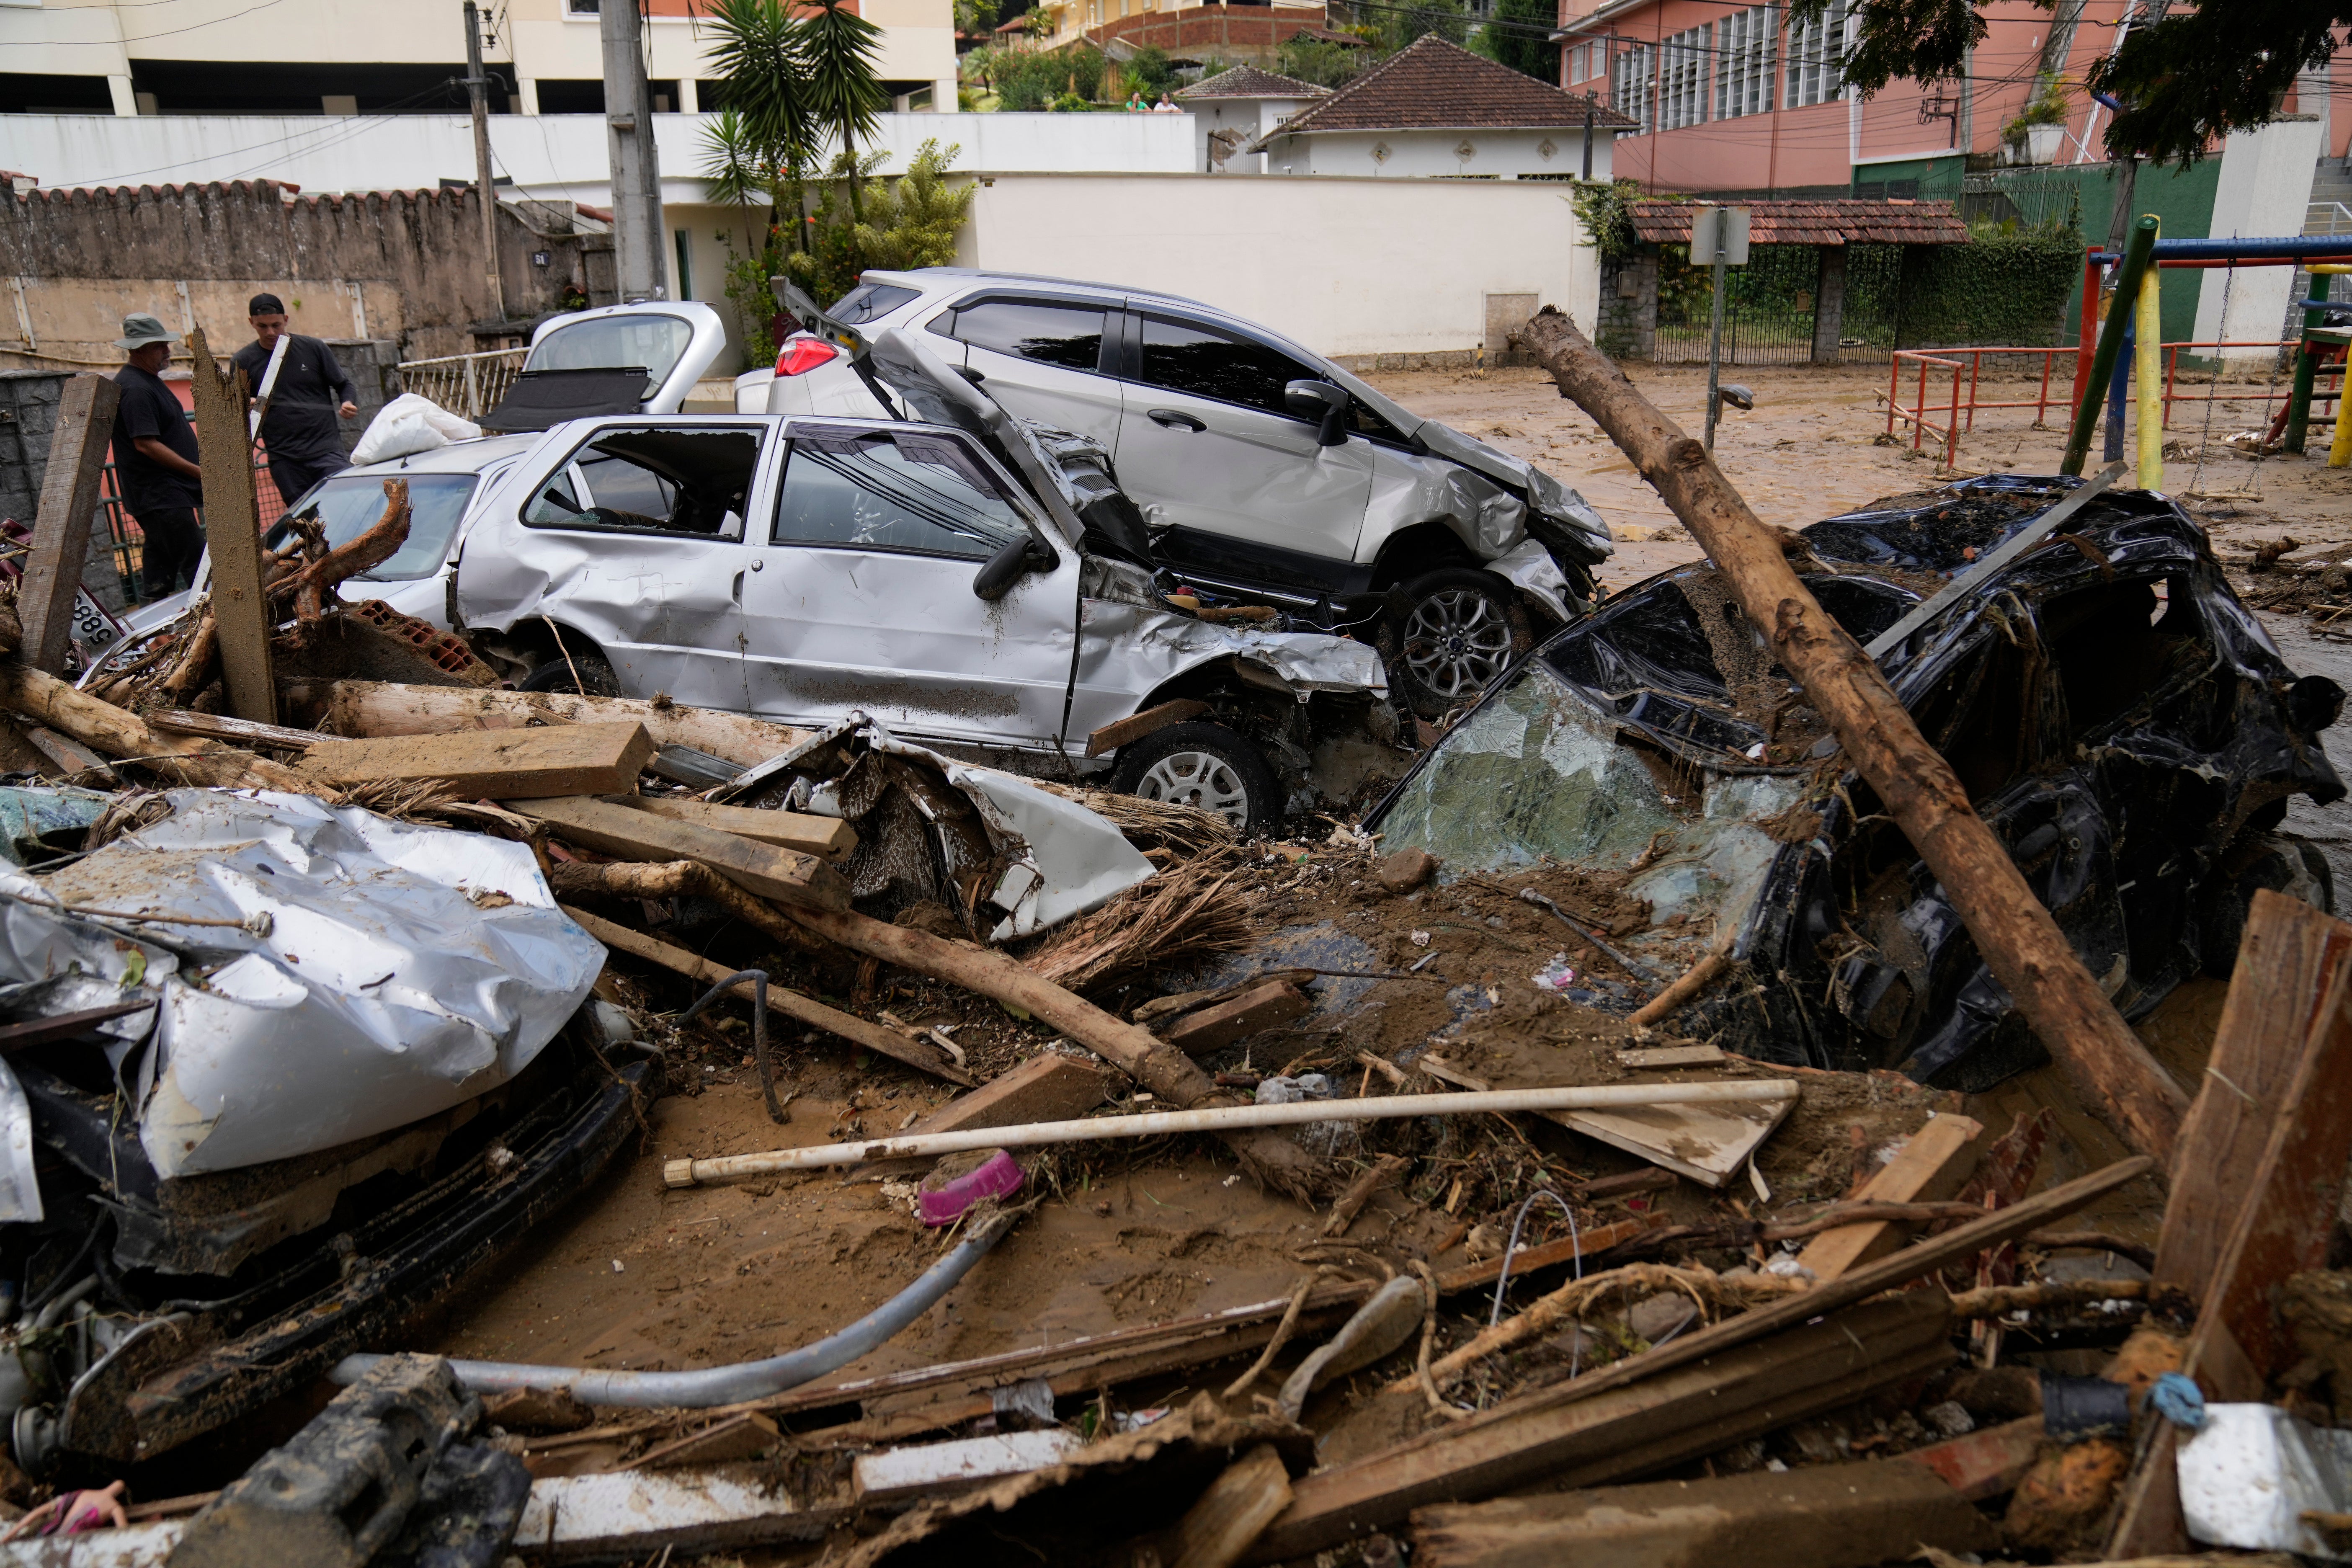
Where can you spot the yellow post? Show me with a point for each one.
(2147, 374)
(2339, 451)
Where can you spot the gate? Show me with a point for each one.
(1768, 306)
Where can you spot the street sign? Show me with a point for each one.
(1712, 226)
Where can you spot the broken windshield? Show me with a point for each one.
(1536, 775)
(347, 508)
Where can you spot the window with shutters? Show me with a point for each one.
(1816, 54)
(1743, 62)
(1683, 76)
(1631, 90)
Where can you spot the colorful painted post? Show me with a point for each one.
(2148, 366)
(2136, 252)
(2298, 407)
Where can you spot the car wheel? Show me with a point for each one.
(2257, 860)
(1461, 629)
(1202, 766)
(585, 674)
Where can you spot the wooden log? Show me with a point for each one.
(781, 875)
(496, 764)
(1214, 1028)
(240, 604)
(2285, 1197)
(1830, 1516)
(1350, 1203)
(1514, 1443)
(1696, 979)
(389, 708)
(1272, 1155)
(2019, 942)
(1932, 1165)
(1226, 1520)
(781, 998)
(119, 733)
(69, 500)
(1628, 1428)
(1136, 726)
(826, 837)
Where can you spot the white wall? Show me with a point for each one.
(2264, 189)
(1501, 154)
(1343, 267)
(554, 155)
(1253, 117)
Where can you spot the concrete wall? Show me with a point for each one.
(1368, 269)
(1251, 117)
(2264, 189)
(403, 267)
(1401, 154)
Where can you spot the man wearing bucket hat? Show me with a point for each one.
(156, 458)
(300, 391)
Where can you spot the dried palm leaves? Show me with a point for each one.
(1152, 823)
(1184, 913)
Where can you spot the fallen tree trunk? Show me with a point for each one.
(2020, 943)
(680, 880)
(119, 733)
(374, 708)
(1135, 1050)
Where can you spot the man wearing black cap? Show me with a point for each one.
(300, 390)
(156, 458)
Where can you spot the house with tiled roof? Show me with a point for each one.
(1234, 108)
(1436, 109)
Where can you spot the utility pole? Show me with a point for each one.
(1719, 235)
(477, 87)
(629, 138)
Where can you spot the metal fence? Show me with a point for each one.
(1767, 306)
(468, 386)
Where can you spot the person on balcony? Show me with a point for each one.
(301, 405)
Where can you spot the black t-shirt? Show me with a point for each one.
(301, 424)
(149, 411)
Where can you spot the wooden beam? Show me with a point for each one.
(119, 733)
(1214, 1028)
(1048, 1088)
(494, 765)
(782, 875)
(1932, 1165)
(221, 727)
(232, 536)
(2109, 1067)
(1133, 728)
(826, 837)
(1226, 1520)
(69, 499)
(389, 708)
(1514, 1443)
(792, 1003)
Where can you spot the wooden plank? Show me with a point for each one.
(1623, 1431)
(783, 999)
(221, 727)
(496, 764)
(742, 1436)
(69, 499)
(1136, 726)
(67, 757)
(826, 837)
(1049, 1087)
(1708, 1143)
(1674, 1056)
(232, 536)
(1261, 1007)
(1591, 1239)
(1831, 1516)
(389, 708)
(1933, 1163)
(783, 875)
(1499, 1446)
(1226, 1520)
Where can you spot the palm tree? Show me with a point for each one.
(736, 167)
(761, 56)
(839, 48)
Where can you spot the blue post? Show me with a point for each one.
(2118, 389)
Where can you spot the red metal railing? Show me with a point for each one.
(1916, 415)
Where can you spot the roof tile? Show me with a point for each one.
(1433, 85)
(1813, 222)
(1248, 82)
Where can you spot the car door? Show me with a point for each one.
(632, 534)
(862, 596)
(1207, 447)
(1044, 357)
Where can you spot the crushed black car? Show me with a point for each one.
(2115, 712)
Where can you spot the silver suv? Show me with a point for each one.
(1265, 472)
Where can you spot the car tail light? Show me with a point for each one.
(802, 354)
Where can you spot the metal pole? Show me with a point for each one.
(1714, 335)
(477, 87)
(629, 142)
(2298, 407)
(1588, 135)
(2103, 364)
(2148, 372)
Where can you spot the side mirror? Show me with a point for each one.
(1018, 558)
(1322, 402)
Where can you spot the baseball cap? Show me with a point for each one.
(264, 305)
(139, 329)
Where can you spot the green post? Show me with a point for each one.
(2298, 407)
(2138, 249)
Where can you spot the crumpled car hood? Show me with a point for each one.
(1547, 496)
(387, 971)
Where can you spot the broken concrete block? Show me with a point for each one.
(1406, 869)
(1212, 1028)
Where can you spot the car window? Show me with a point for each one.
(1363, 421)
(866, 301)
(652, 479)
(1067, 335)
(615, 342)
(348, 507)
(891, 490)
(1207, 362)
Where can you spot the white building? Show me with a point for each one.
(1235, 108)
(1436, 109)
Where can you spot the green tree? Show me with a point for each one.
(913, 221)
(1403, 25)
(1152, 71)
(2184, 81)
(845, 92)
(1312, 59)
(1519, 37)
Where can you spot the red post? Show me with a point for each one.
(1952, 429)
(1919, 426)
(2086, 340)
